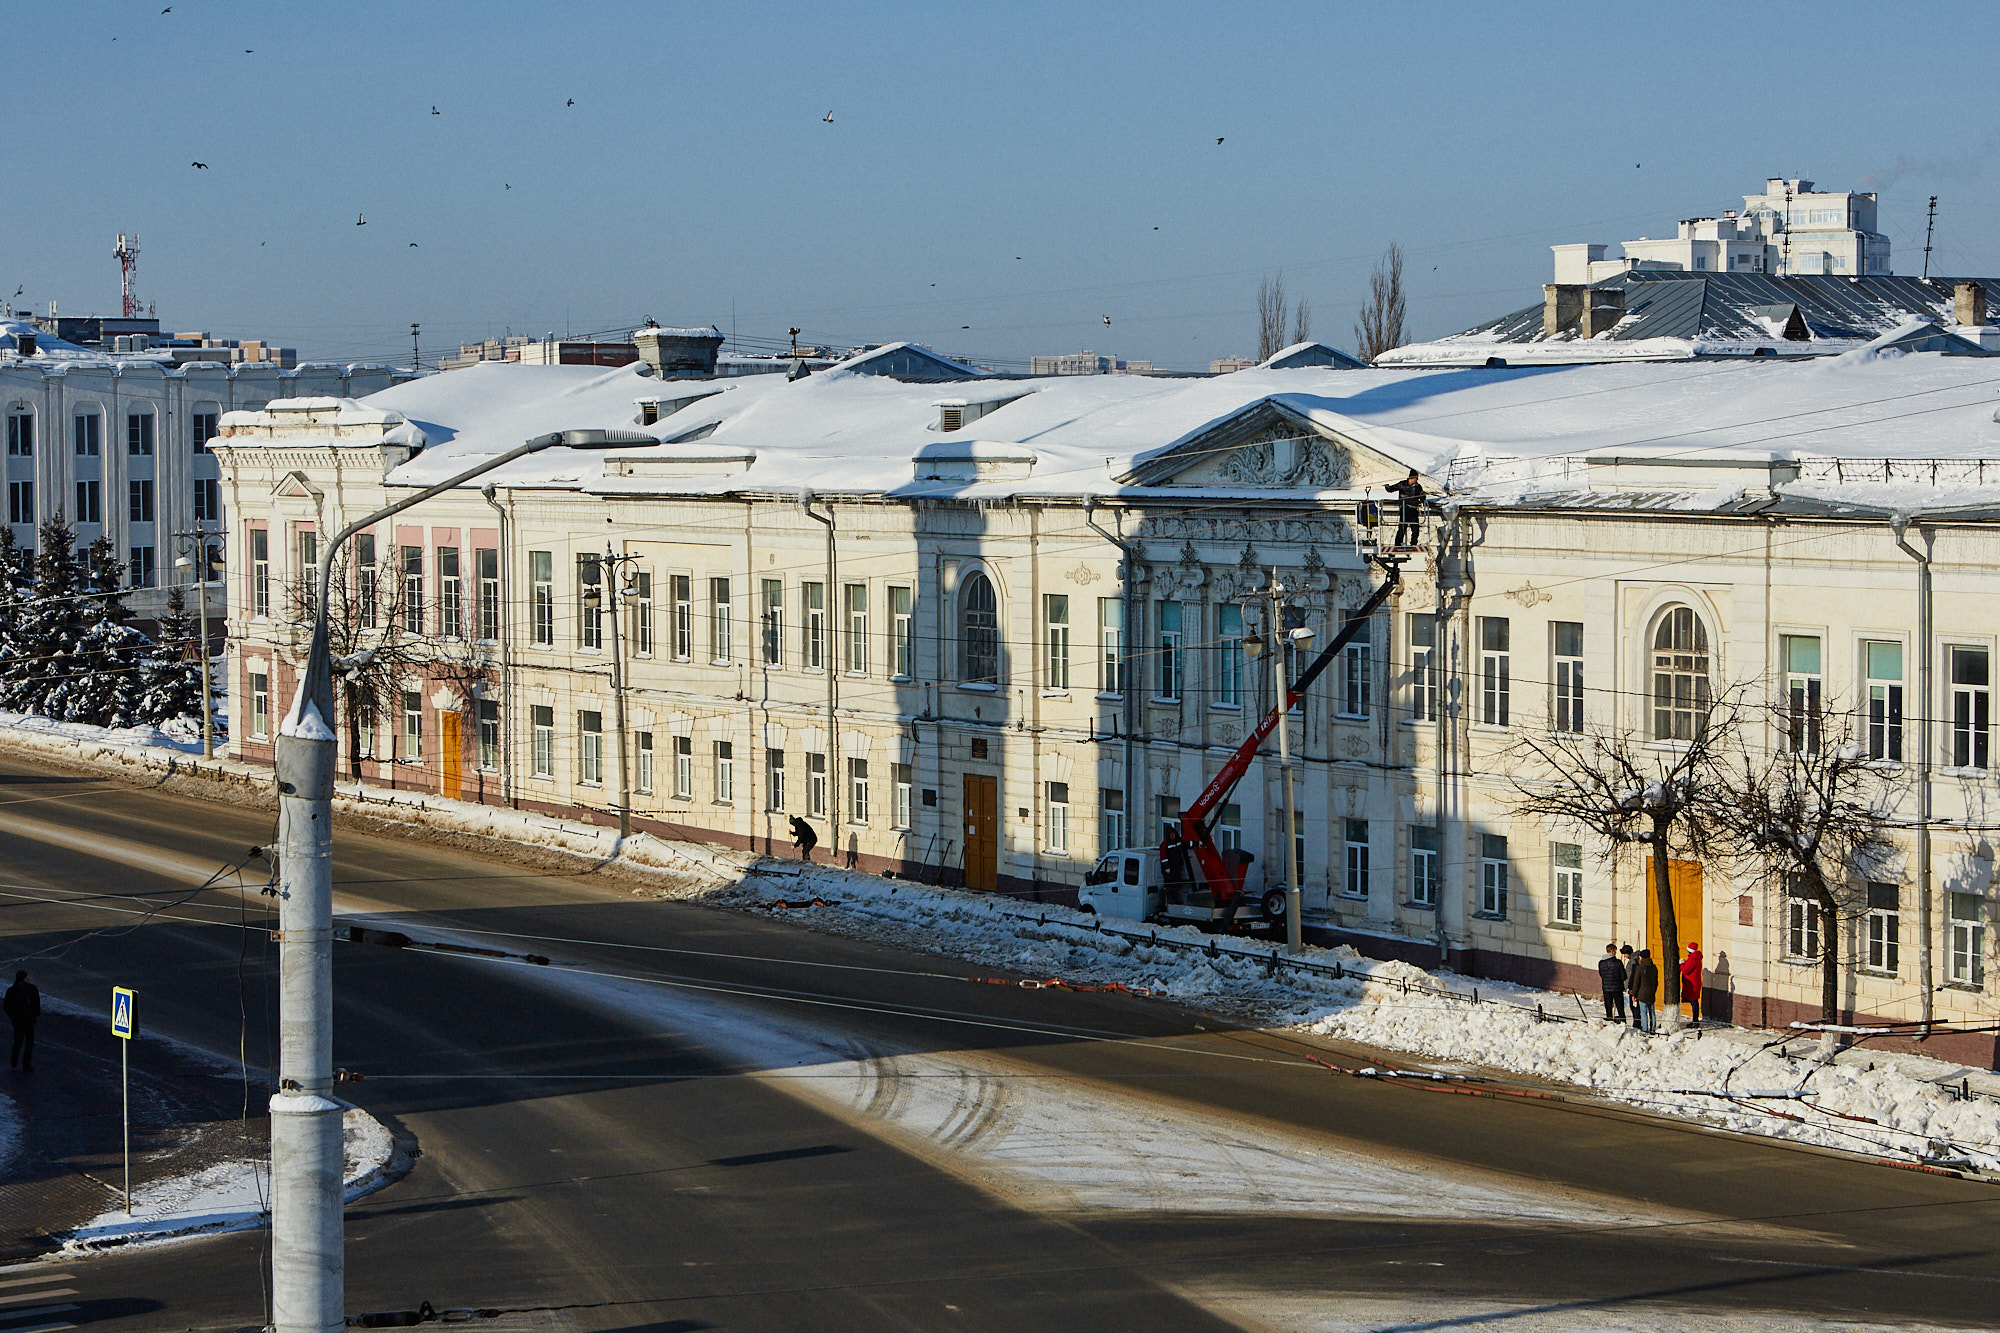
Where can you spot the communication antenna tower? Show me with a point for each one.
(1930, 223)
(127, 255)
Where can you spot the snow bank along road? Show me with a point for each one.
(716, 1118)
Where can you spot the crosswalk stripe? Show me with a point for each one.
(43, 1328)
(19, 1296)
(41, 1313)
(33, 1281)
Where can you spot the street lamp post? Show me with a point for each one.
(592, 601)
(307, 1260)
(1288, 837)
(197, 558)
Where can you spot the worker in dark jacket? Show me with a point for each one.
(1409, 494)
(1612, 973)
(804, 838)
(23, 1004)
(1644, 986)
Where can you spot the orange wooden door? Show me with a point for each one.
(451, 747)
(982, 832)
(1684, 882)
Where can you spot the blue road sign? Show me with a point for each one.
(123, 1013)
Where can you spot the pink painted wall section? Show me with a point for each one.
(444, 536)
(409, 536)
(484, 537)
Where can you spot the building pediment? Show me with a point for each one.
(1267, 444)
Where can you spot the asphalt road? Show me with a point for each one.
(601, 1171)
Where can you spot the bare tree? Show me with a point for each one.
(374, 648)
(1811, 814)
(1381, 326)
(1273, 314)
(1302, 322)
(1628, 792)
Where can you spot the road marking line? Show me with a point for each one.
(20, 1296)
(30, 1281)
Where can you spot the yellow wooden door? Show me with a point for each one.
(1684, 882)
(450, 746)
(982, 832)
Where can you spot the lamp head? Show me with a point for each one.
(1253, 647)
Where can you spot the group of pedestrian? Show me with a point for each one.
(1627, 974)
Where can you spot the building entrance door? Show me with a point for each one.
(982, 831)
(450, 749)
(1684, 881)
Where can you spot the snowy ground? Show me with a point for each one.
(229, 1196)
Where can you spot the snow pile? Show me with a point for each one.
(230, 1196)
(1866, 1101)
(182, 735)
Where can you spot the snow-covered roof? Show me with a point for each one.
(1885, 413)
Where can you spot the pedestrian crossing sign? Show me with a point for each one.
(123, 1016)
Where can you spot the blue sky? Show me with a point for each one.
(1024, 170)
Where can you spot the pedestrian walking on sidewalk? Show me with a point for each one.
(23, 1004)
(1612, 973)
(1691, 982)
(803, 838)
(1645, 987)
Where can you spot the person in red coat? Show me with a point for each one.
(1691, 982)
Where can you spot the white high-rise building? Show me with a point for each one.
(1791, 228)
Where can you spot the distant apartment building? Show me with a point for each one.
(140, 336)
(1791, 229)
(1227, 364)
(1086, 363)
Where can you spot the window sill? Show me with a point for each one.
(1361, 718)
(1162, 701)
(978, 687)
(902, 678)
(1967, 986)
(1886, 974)
(1415, 906)
(1489, 916)
(1563, 925)
(1106, 697)
(1225, 708)
(1352, 897)
(595, 786)
(1055, 694)
(1976, 774)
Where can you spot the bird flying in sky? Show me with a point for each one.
(1218, 140)
(829, 118)
(360, 219)
(571, 102)
(199, 166)
(434, 111)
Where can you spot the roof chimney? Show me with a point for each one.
(1562, 306)
(1968, 304)
(679, 353)
(1602, 308)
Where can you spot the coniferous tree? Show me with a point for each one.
(15, 585)
(106, 687)
(50, 626)
(171, 675)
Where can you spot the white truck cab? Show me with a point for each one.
(1128, 885)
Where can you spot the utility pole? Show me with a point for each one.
(613, 574)
(198, 558)
(416, 357)
(1930, 224)
(1288, 839)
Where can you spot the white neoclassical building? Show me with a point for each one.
(979, 630)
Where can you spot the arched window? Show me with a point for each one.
(979, 631)
(1680, 676)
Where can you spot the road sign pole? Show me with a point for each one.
(124, 1021)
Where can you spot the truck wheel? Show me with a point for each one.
(1274, 904)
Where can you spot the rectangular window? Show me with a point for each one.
(260, 571)
(543, 717)
(857, 791)
(1423, 667)
(489, 733)
(1170, 650)
(1968, 939)
(1299, 844)
(89, 440)
(1229, 826)
(141, 567)
(720, 636)
(139, 494)
(89, 502)
(1055, 615)
(1058, 826)
(1355, 842)
(450, 621)
(139, 434)
(486, 566)
(1229, 655)
(20, 436)
(413, 725)
(639, 609)
(308, 567)
(1801, 654)
(260, 701)
(1801, 923)
(413, 589)
(1110, 645)
(207, 500)
(856, 595)
(774, 621)
(1492, 874)
(1169, 808)
(1568, 858)
(644, 742)
(816, 784)
(899, 778)
(681, 589)
(590, 747)
(814, 596)
(1110, 819)
(725, 772)
(1494, 670)
(684, 767)
(542, 579)
(365, 599)
(203, 427)
(20, 502)
(1566, 641)
(774, 779)
(590, 601)
(1883, 661)
(365, 729)
(1883, 927)
(902, 634)
(1357, 670)
(1969, 704)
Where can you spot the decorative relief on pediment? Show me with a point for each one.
(1280, 457)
